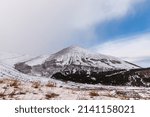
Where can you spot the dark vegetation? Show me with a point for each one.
(135, 77)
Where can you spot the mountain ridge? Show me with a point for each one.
(72, 58)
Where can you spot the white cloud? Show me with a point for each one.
(37, 26)
(135, 49)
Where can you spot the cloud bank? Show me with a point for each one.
(41, 26)
(135, 49)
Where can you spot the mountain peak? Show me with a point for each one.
(73, 59)
(73, 49)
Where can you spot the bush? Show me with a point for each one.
(51, 95)
(93, 93)
(14, 83)
(36, 85)
(50, 84)
(2, 95)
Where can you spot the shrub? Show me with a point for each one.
(1, 81)
(36, 84)
(93, 93)
(50, 84)
(51, 95)
(14, 83)
(2, 95)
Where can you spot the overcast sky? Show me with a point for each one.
(117, 27)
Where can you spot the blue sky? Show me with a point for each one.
(133, 28)
(119, 28)
(135, 23)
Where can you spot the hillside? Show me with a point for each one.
(72, 59)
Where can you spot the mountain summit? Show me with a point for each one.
(75, 55)
(73, 59)
(73, 49)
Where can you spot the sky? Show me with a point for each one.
(119, 28)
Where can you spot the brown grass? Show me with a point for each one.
(36, 85)
(93, 93)
(11, 82)
(12, 94)
(1, 81)
(50, 84)
(2, 95)
(51, 95)
(15, 83)
(122, 95)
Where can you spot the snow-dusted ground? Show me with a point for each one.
(19, 90)
(15, 85)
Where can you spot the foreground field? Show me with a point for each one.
(12, 89)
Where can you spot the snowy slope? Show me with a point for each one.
(11, 58)
(73, 59)
(7, 71)
(78, 56)
(37, 61)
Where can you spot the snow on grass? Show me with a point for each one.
(20, 90)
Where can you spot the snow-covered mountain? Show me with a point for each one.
(75, 55)
(77, 65)
(72, 59)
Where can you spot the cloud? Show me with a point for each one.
(135, 49)
(40, 26)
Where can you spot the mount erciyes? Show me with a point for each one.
(80, 65)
